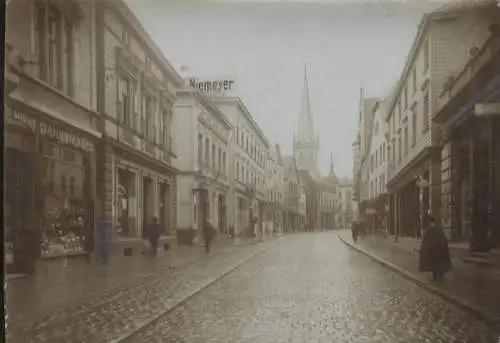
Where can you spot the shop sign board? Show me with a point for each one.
(49, 130)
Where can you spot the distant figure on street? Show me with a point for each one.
(154, 235)
(207, 235)
(355, 231)
(434, 251)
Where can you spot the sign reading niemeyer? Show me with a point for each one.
(211, 86)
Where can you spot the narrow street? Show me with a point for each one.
(300, 288)
(312, 288)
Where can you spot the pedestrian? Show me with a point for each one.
(154, 235)
(207, 235)
(434, 251)
(354, 229)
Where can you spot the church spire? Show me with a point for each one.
(305, 132)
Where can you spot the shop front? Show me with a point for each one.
(142, 190)
(410, 196)
(48, 188)
(470, 152)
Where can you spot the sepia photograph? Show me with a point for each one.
(251, 171)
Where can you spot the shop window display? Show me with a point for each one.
(64, 201)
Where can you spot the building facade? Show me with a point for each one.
(136, 88)
(247, 172)
(275, 197)
(377, 206)
(441, 48)
(328, 200)
(361, 154)
(51, 132)
(470, 193)
(294, 192)
(346, 206)
(202, 164)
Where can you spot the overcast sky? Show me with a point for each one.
(264, 47)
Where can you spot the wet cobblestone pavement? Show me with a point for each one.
(471, 284)
(315, 289)
(107, 317)
(76, 286)
(302, 288)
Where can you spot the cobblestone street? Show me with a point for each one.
(301, 288)
(312, 288)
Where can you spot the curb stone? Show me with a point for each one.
(428, 287)
(127, 335)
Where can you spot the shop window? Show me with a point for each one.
(65, 203)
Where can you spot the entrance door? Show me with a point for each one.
(21, 231)
(163, 217)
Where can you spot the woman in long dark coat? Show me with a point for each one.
(434, 251)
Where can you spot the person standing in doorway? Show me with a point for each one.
(154, 235)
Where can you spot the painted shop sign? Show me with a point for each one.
(48, 130)
(211, 86)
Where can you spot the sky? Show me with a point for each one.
(265, 46)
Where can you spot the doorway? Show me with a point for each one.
(163, 216)
(146, 203)
(21, 236)
(222, 214)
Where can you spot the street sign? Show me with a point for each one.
(489, 109)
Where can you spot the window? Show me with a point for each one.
(200, 147)
(52, 46)
(406, 140)
(64, 200)
(148, 116)
(426, 112)
(214, 158)
(393, 152)
(165, 124)
(207, 151)
(426, 55)
(224, 162)
(399, 110)
(406, 98)
(237, 135)
(148, 63)
(125, 38)
(414, 126)
(389, 154)
(220, 159)
(237, 170)
(399, 148)
(414, 79)
(124, 101)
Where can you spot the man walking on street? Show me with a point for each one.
(154, 235)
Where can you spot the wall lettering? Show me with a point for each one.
(51, 131)
(211, 86)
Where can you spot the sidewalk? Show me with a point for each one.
(32, 296)
(469, 286)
